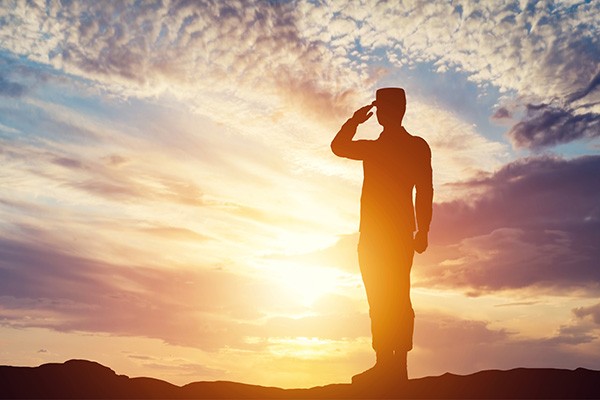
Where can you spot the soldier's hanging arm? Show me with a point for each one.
(343, 145)
(424, 199)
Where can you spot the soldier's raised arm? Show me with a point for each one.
(343, 145)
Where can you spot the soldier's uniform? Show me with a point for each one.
(394, 164)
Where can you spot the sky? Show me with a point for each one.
(170, 206)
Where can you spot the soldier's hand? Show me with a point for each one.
(420, 242)
(362, 114)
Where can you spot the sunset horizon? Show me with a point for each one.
(171, 206)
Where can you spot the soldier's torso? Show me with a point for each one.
(390, 173)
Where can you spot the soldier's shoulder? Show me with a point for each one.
(420, 143)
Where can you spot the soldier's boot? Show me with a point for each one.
(379, 373)
(401, 366)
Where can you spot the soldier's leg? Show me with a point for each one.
(404, 313)
(373, 260)
(375, 273)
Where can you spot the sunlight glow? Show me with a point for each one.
(289, 242)
(306, 283)
(303, 347)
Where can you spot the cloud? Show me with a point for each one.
(591, 311)
(148, 49)
(516, 259)
(310, 57)
(68, 163)
(575, 334)
(67, 284)
(463, 346)
(44, 287)
(99, 176)
(501, 113)
(546, 126)
(11, 89)
(544, 192)
(592, 86)
(178, 40)
(533, 223)
(534, 54)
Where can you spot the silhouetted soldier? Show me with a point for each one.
(393, 164)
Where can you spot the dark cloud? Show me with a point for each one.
(587, 90)
(541, 192)
(592, 311)
(516, 259)
(11, 89)
(573, 65)
(545, 125)
(536, 224)
(502, 113)
(574, 335)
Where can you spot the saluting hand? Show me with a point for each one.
(362, 114)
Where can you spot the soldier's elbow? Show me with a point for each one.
(336, 149)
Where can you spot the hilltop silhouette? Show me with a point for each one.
(88, 379)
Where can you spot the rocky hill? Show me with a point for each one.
(90, 380)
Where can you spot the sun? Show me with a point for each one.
(306, 283)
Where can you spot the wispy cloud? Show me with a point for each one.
(148, 49)
(201, 308)
(592, 311)
(11, 89)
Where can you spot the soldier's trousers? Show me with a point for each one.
(385, 262)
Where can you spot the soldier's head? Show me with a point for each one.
(391, 106)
